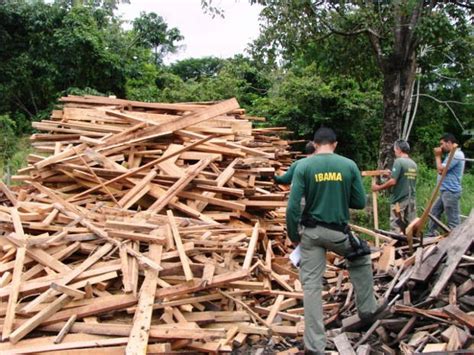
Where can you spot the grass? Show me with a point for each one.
(17, 160)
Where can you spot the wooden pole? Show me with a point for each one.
(416, 227)
(375, 208)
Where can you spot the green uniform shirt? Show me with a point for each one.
(331, 184)
(404, 171)
(286, 178)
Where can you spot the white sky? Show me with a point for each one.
(203, 35)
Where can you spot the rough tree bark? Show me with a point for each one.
(399, 70)
(398, 81)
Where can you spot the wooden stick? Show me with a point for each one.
(179, 246)
(251, 247)
(376, 213)
(8, 193)
(416, 227)
(65, 329)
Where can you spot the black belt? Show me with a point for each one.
(310, 222)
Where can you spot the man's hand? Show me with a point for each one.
(386, 173)
(438, 151)
(375, 188)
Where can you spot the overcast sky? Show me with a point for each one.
(203, 35)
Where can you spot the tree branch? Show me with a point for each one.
(466, 5)
(415, 17)
(377, 48)
(448, 106)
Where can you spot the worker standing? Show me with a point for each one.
(286, 178)
(331, 184)
(403, 181)
(451, 188)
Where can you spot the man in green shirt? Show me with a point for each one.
(286, 178)
(331, 185)
(403, 181)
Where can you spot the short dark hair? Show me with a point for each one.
(402, 145)
(449, 137)
(325, 135)
(309, 148)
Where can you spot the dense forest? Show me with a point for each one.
(312, 65)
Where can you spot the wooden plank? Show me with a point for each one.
(460, 316)
(178, 186)
(13, 294)
(8, 193)
(137, 192)
(139, 334)
(275, 309)
(60, 156)
(68, 291)
(222, 179)
(159, 348)
(179, 246)
(70, 276)
(460, 241)
(141, 168)
(165, 332)
(71, 341)
(99, 306)
(213, 201)
(168, 166)
(197, 116)
(38, 318)
(387, 259)
(343, 344)
(251, 248)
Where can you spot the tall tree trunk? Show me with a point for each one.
(399, 78)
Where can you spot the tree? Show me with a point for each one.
(302, 99)
(394, 32)
(152, 32)
(48, 48)
(197, 68)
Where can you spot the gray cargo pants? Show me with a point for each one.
(407, 212)
(314, 243)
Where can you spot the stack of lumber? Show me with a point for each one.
(151, 227)
(146, 226)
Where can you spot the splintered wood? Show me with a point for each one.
(152, 227)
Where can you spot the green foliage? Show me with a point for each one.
(303, 100)
(49, 48)
(7, 139)
(13, 150)
(151, 31)
(197, 68)
(371, 41)
(206, 79)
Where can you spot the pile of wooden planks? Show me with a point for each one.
(146, 226)
(151, 227)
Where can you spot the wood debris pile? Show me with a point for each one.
(157, 227)
(430, 294)
(144, 224)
